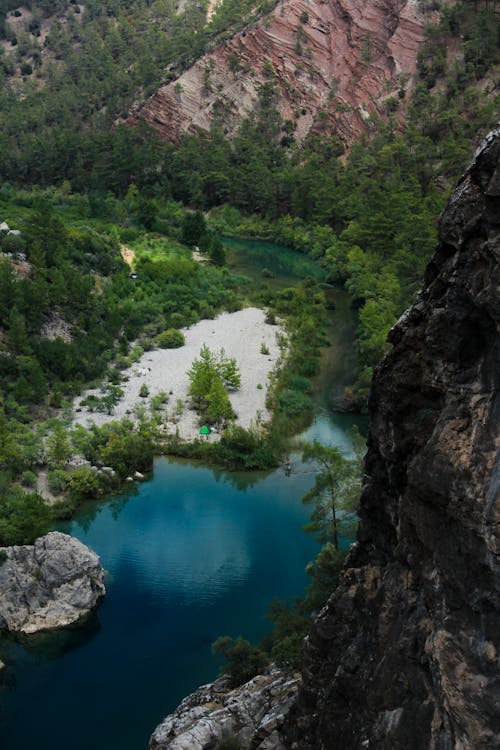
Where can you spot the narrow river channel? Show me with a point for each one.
(192, 554)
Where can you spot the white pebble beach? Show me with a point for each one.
(240, 334)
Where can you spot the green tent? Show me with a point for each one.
(205, 430)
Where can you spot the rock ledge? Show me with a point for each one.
(253, 712)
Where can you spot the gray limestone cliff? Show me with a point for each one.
(406, 653)
(50, 584)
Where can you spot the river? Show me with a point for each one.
(192, 554)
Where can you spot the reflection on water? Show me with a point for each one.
(41, 647)
(270, 264)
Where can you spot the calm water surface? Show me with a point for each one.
(190, 555)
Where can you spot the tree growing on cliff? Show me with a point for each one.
(243, 660)
(335, 491)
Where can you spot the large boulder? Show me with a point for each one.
(50, 584)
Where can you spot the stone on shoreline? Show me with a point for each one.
(50, 584)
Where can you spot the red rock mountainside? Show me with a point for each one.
(406, 653)
(333, 62)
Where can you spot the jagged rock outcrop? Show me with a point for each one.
(406, 653)
(333, 63)
(50, 584)
(253, 712)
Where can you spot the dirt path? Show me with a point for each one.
(42, 488)
(128, 256)
(212, 4)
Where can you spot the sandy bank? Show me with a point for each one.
(240, 334)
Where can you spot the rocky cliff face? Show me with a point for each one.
(333, 63)
(50, 584)
(406, 653)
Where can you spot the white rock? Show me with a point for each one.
(253, 712)
(50, 584)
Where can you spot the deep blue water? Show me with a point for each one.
(193, 555)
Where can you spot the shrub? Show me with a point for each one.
(264, 349)
(170, 339)
(294, 403)
(84, 483)
(243, 661)
(29, 478)
(58, 480)
(144, 391)
(300, 383)
(23, 517)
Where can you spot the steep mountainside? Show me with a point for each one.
(406, 653)
(332, 64)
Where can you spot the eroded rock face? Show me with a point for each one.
(253, 712)
(50, 584)
(333, 63)
(406, 653)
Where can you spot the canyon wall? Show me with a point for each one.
(406, 653)
(334, 64)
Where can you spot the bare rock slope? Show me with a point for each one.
(406, 653)
(50, 584)
(333, 63)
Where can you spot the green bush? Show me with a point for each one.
(170, 339)
(294, 403)
(84, 483)
(23, 517)
(28, 478)
(58, 480)
(300, 383)
(243, 661)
